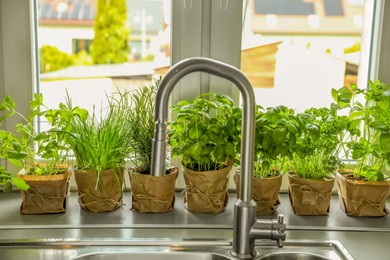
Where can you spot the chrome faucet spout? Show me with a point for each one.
(220, 69)
(246, 228)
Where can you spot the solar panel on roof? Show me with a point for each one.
(284, 7)
(86, 12)
(333, 7)
(75, 12)
(45, 9)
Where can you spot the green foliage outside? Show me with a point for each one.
(354, 48)
(110, 44)
(53, 59)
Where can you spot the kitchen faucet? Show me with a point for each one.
(246, 227)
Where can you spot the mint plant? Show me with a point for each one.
(26, 148)
(369, 128)
(206, 133)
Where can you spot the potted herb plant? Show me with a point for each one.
(149, 193)
(275, 137)
(365, 190)
(44, 186)
(205, 136)
(315, 160)
(100, 144)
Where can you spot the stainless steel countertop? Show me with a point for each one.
(365, 238)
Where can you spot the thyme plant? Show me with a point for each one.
(141, 122)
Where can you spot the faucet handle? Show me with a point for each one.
(279, 230)
(280, 218)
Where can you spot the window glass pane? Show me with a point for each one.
(92, 48)
(296, 51)
(293, 51)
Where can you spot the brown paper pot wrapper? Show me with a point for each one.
(106, 198)
(152, 194)
(362, 198)
(265, 192)
(206, 192)
(46, 195)
(309, 197)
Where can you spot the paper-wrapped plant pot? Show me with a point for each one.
(362, 198)
(310, 197)
(153, 194)
(47, 194)
(265, 192)
(107, 196)
(206, 192)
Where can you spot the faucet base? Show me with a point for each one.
(244, 219)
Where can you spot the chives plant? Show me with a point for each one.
(98, 142)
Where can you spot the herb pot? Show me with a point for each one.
(362, 198)
(265, 192)
(100, 193)
(47, 193)
(153, 194)
(310, 197)
(206, 191)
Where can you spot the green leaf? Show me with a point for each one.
(266, 141)
(17, 155)
(386, 93)
(196, 150)
(385, 142)
(266, 166)
(219, 153)
(7, 187)
(37, 101)
(335, 94)
(7, 104)
(20, 183)
(81, 113)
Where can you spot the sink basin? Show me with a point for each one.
(195, 256)
(155, 256)
(291, 256)
(166, 249)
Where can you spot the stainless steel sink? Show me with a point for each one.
(196, 256)
(155, 256)
(166, 249)
(292, 256)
